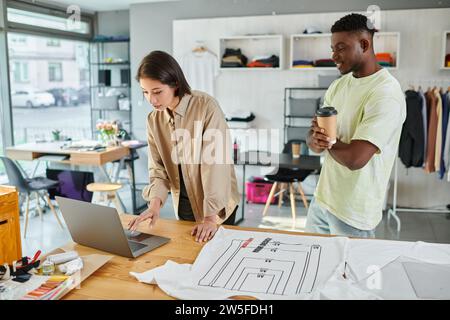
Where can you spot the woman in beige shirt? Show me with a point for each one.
(189, 150)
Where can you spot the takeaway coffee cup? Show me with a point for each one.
(326, 119)
(296, 149)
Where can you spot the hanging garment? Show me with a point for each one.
(201, 69)
(425, 124)
(438, 149)
(412, 138)
(447, 140)
(445, 108)
(432, 131)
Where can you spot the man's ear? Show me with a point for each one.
(365, 44)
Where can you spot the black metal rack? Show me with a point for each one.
(99, 49)
(298, 107)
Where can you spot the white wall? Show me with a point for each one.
(262, 91)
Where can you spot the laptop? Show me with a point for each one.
(100, 227)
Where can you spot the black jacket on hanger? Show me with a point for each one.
(412, 140)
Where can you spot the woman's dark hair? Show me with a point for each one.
(161, 66)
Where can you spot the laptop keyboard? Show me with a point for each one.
(135, 246)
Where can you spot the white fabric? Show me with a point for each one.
(270, 266)
(200, 70)
(374, 269)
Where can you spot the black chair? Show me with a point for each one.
(28, 187)
(284, 179)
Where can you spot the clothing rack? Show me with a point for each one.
(393, 211)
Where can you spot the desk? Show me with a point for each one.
(280, 160)
(33, 151)
(113, 281)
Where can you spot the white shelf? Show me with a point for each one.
(312, 47)
(445, 49)
(254, 45)
(388, 42)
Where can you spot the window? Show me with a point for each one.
(56, 96)
(54, 71)
(19, 40)
(70, 22)
(53, 43)
(20, 71)
(3, 178)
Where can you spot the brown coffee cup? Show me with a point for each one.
(326, 119)
(296, 149)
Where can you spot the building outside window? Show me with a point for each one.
(54, 71)
(49, 88)
(20, 71)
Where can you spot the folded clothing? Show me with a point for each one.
(271, 62)
(384, 59)
(302, 64)
(233, 58)
(324, 63)
(243, 118)
(385, 64)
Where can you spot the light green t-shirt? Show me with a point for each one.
(371, 108)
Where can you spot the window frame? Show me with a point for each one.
(6, 116)
(53, 11)
(52, 74)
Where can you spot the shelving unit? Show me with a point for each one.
(445, 49)
(300, 105)
(310, 47)
(104, 104)
(388, 42)
(313, 47)
(257, 45)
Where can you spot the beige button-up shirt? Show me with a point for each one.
(198, 138)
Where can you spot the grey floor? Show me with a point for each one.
(47, 235)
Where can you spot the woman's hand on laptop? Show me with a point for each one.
(151, 213)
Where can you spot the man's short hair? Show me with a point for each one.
(353, 22)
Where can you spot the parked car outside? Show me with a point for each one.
(31, 98)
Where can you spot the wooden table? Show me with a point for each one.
(99, 158)
(33, 151)
(113, 281)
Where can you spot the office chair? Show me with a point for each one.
(30, 186)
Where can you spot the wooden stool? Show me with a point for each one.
(284, 179)
(285, 186)
(110, 189)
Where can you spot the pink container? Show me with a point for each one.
(258, 192)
